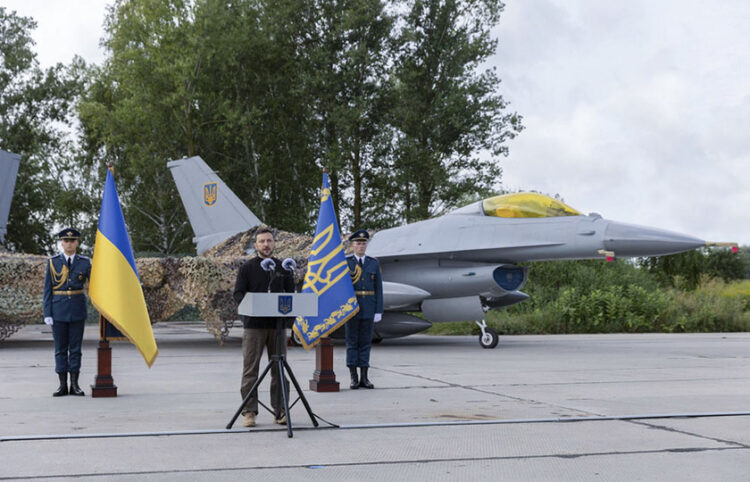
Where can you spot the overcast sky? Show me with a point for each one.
(637, 110)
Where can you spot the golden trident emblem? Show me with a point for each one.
(210, 193)
(322, 273)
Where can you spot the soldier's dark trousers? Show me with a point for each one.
(358, 342)
(68, 337)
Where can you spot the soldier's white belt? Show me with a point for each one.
(364, 293)
(68, 292)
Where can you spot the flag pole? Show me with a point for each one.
(324, 377)
(104, 385)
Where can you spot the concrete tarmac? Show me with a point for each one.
(567, 407)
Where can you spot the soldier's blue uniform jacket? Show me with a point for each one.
(64, 298)
(368, 286)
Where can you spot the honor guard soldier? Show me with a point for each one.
(65, 308)
(368, 286)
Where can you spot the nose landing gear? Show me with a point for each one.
(488, 338)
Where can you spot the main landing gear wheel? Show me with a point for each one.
(488, 338)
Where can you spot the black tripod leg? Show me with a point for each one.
(301, 395)
(249, 395)
(285, 396)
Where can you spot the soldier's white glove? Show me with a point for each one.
(378, 317)
(48, 320)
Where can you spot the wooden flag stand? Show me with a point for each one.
(324, 378)
(104, 384)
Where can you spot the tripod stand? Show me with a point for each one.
(279, 361)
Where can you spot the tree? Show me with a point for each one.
(446, 109)
(216, 79)
(685, 270)
(347, 63)
(269, 92)
(36, 121)
(139, 113)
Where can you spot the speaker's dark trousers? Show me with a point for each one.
(358, 342)
(253, 342)
(68, 338)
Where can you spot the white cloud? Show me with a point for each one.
(64, 29)
(638, 111)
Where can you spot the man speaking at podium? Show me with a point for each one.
(261, 274)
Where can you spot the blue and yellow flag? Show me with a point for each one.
(114, 288)
(328, 277)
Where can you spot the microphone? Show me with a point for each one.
(289, 264)
(269, 265)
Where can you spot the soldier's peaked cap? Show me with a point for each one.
(360, 235)
(69, 233)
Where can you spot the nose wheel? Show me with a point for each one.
(488, 338)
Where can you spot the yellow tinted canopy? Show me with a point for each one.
(526, 205)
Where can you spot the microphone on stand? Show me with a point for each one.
(289, 265)
(269, 265)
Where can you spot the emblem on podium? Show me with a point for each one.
(285, 304)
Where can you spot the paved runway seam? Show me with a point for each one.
(692, 434)
(625, 418)
(387, 462)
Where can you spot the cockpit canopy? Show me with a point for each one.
(526, 205)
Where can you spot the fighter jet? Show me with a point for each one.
(9, 163)
(458, 266)
(466, 259)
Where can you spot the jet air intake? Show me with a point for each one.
(509, 278)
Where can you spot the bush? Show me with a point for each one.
(597, 297)
(713, 306)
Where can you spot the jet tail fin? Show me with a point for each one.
(9, 163)
(214, 211)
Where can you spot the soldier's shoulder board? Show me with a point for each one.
(83, 257)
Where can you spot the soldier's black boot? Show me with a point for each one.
(74, 388)
(63, 388)
(355, 381)
(363, 381)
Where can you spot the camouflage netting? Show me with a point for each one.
(169, 284)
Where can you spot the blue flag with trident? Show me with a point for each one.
(327, 276)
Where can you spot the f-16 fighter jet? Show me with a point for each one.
(458, 266)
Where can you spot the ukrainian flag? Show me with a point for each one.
(327, 276)
(114, 288)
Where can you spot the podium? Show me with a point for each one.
(279, 306)
(289, 305)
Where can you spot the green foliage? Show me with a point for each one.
(445, 109)
(713, 306)
(611, 309)
(270, 92)
(619, 297)
(744, 253)
(548, 278)
(36, 112)
(685, 270)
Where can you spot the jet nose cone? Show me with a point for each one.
(631, 240)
